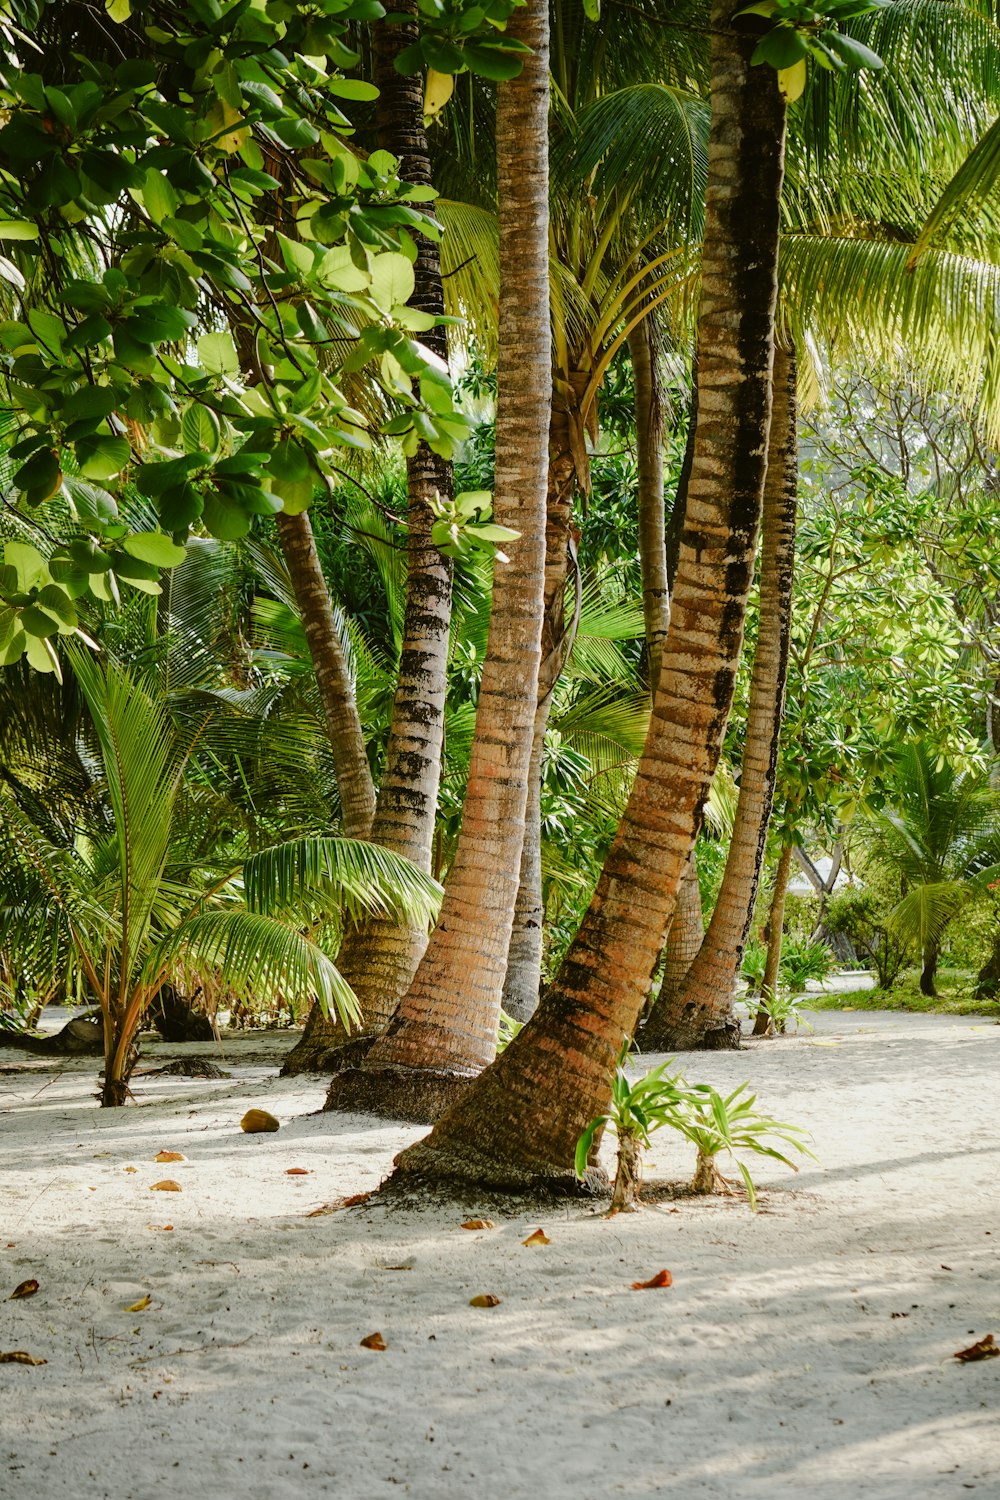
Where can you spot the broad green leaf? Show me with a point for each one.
(392, 280)
(153, 547)
(217, 354)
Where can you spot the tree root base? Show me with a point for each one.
(716, 1035)
(324, 1055)
(418, 1095)
(445, 1165)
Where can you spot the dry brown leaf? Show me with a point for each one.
(26, 1289)
(165, 1227)
(259, 1122)
(337, 1204)
(538, 1238)
(662, 1278)
(485, 1299)
(479, 1224)
(169, 1156)
(20, 1357)
(166, 1186)
(130, 1169)
(374, 1341)
(298, 1171)
(986, 1348)
(141, 1305)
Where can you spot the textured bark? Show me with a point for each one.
(444, 1031)
(379, 959)
(684, 938)
(518, 1125)
(700, 1014)
(928, 972)
(775, 930)
(522, 981)
(336, 689)
(652, 511)
(628, 1177)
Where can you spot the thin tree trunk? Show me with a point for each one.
(928, 972)
(519, 1123)
(523, 978)
(445, 1029)
(775, 931)
(684, 938)
(652, 511)
(336, 689)
(700, 1014)
(380, 958)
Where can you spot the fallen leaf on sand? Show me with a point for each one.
(987, 1348)
(26, 1289)
(338, 1203)
(166, 1186)
(662, 1278)
(298, 1171)
(165, 1227)
(538, 1238)
(824, 1044)
(141, 1305)
(259, 1122)
(20, 1357)
(130, 1169)
(374, 1341)
(169, 1156)
(485, 1299)
(479, 1224)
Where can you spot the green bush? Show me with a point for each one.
(862, 915)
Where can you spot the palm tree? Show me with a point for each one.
(134, 903)
(445, 1029)
(938, 833)
(520, 1121)
(699, 1012)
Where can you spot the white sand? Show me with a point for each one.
(773, 1367)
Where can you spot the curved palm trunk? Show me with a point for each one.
(519, 1123)
(775, 930)
(700, 1014)
(333, 678)
(379, 959)
(445, 1029)
(522, 981)
(929, 959)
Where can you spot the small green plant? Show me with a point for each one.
(507, 1031)
(803, 960)
(637, 1109)
(717, 1124)
(783, 1008)
(714, 1124)
(754, 963)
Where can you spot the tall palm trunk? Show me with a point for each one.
(520, 1122)
(652, 511)
(380, 958)
(333, 677)
(444, 1031)
(775, 930)
(523, 978)
(701, 1014)
(684, 937)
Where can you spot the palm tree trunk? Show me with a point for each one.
(929, 959)
(700, 1014)
(333, 678)
(775, 930)
(523, 978)
(652, 512)
(519, 1123)
(684, 938)
(445, 1029)
(379, 959)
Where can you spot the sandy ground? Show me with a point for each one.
(804, 1351)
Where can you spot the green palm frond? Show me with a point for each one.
(361, 879)
(253, 952)
(970, 189)
(142, 764)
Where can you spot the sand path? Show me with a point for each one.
(804, 1351)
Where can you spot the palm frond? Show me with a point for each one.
(360, 878)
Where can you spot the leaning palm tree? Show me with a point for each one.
(135, 912)
(938, 834)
